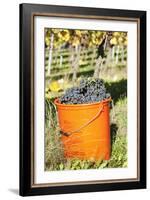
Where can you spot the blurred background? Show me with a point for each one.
(71, 54)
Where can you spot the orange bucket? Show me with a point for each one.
(85, 130)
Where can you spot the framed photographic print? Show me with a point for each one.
(82, 99)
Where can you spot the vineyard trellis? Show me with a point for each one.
(72, 61)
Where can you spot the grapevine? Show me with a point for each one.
(86, 38)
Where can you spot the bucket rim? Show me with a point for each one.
(56, 102)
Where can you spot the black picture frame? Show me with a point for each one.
(27, 12)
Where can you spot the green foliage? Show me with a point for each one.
(119, 152)
(86, 38)
(54, 157)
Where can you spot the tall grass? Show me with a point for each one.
(53, 146)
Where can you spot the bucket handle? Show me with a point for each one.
(84, 125)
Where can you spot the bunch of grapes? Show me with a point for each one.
(89, 91)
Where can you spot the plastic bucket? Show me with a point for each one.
(85, 130)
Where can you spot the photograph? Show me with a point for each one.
(82, 121)
(85, 99)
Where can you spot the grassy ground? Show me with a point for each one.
(54, 159)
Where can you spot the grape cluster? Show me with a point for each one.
(89, 91)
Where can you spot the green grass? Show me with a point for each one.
(53, 147)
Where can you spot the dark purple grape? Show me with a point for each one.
(88, 91)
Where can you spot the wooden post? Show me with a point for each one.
(76, 63)
(108, 59)
(50, 53)
(99, 62)
(98, 65)
(113, 54)
(122, 54)
(117, 52)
